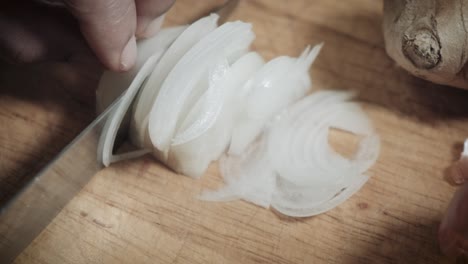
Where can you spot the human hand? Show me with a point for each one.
(30, 32)
(453, 232)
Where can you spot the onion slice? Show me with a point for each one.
(284, 202)
(210, 105)
(180, 90)
(207, 130)
(113, 123)
(275, 86)
(112, 84)
(184, 42)
(200, 93)
(312, 177)
(206, 110)
(249, 177)
(293, 169)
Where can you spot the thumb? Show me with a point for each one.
(109, 28)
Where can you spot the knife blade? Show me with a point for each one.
(37, 204)
(34, 207)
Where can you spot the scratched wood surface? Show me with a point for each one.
(139, 212)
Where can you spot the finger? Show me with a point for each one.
(150, 16)
(109, 27)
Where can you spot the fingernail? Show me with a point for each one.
(128, 56)
(149, 27)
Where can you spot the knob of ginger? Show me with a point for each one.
(429, 38)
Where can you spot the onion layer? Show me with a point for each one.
(294, 166)
(114, 121)
(184, 42)
(112, 84)
(276, 85)
(181, 88)
(206, 132)
(204, 94)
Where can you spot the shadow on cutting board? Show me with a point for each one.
(43, 107)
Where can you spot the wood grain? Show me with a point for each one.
(140, 212)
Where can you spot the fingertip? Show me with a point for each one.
(109, 28)
(128, 56)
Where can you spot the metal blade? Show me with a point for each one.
(34, 207)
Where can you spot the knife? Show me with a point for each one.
(31, 210)
(37, 204)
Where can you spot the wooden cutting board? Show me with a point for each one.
(139, 212)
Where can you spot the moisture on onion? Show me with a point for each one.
(199, 95)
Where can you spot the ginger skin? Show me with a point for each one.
(429, 38)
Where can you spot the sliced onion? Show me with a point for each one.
(303, 140)
(275, 86)
(249, 177)
(208, 127)
(295, 205)
(206, 93)
(294, 167)
(208, 107)
(313, 178)
(280, 82)
(148, 94)
(180, 91)
(112, 84)
(206, 111)
(106, 144)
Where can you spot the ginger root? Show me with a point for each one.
(429, 38)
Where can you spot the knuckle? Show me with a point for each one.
(103, 12)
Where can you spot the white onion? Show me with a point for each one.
(207, 129)
(312, 177)
(310, 163)
(303, 139)
(249, 177)
(207, 110)
(112, 84)
(296, 205)
(276, 85)
(114, 121)
(208, 107)
(308, 176)
(148, 94)
(207, 94)
(182, 88)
